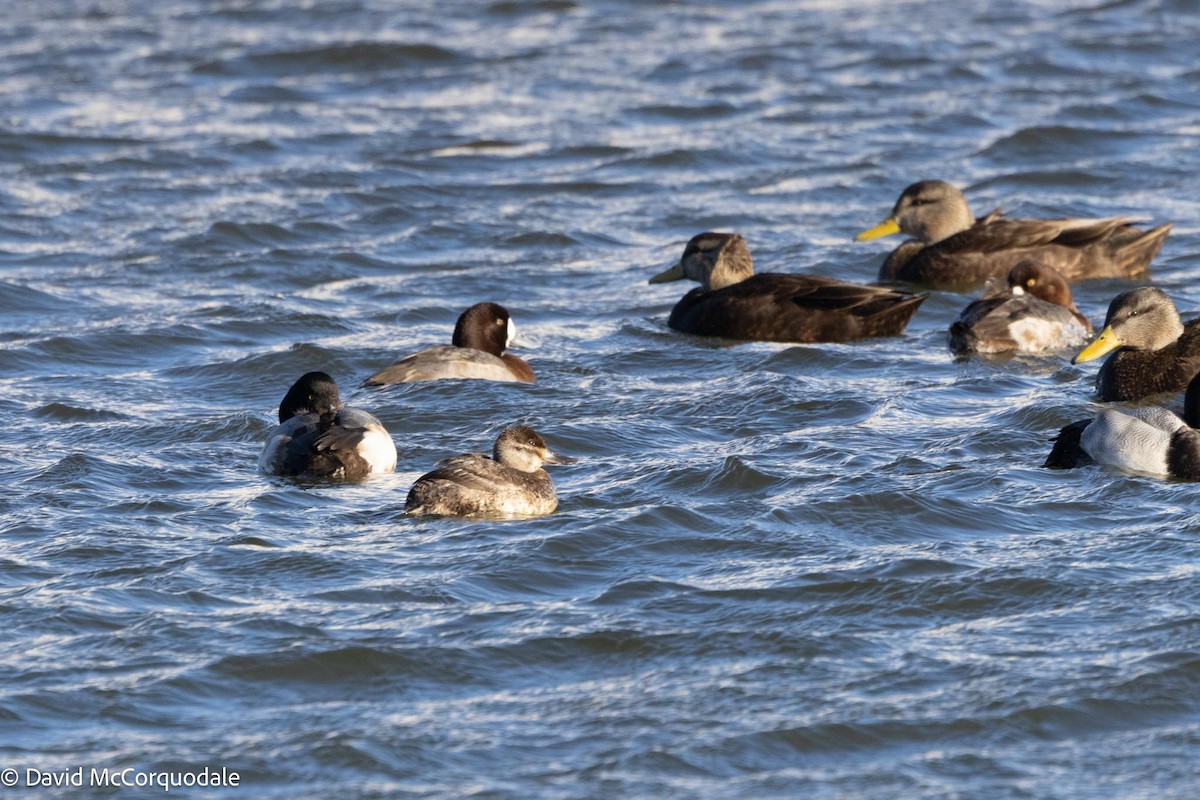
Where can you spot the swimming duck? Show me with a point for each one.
(1032, 314)
(483, 332)
(735, 303)
(951, 249)
(1155, 351)
(1149, 439)
(511, 483)
(318, 437)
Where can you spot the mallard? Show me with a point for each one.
(477, 350)
(735, 303)
(1032, 314)
(510, 484)
(318, 437)
(1149, 439)
(951, 249)
(1155, 351)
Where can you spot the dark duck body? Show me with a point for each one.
(1149, 440)
(511, 483)
(734, 303)
(950, 249)
(318, 437)
(1032, 314)
(1155, 351)
(476, 351)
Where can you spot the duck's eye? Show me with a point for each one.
(1031, 282)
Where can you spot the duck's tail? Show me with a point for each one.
(1067, 452)
(1133, 249)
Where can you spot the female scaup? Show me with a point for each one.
(1155, 351)
(318, 437)
(735, 303)
(510, 484)
(1150, 440)
(483, 332)
(1033, 314)
(950, 248)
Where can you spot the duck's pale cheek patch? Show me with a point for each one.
(512, 333)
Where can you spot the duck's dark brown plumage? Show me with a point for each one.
(951, 249)
(1155, 351)
(734, 303)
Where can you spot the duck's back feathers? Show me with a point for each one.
(780, 307)
(449, 361)
(1078, 249)
(477, 351)
(475, 485)
(1015, 323)
(1137, 440)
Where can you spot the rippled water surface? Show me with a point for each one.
(824, 571)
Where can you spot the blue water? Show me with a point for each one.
(825, 571)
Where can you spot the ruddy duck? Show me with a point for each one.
(511, 483)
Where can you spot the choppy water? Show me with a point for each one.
(826, 571)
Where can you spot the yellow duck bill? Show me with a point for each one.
(1106, 342)
(673, 273)
(885, 228)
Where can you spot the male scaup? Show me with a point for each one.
(511, 483)
(735, 303)
(1150, 440)
(1034, 313)
(318, 437)
(483, 332)
(1155, 351)
(950, 248)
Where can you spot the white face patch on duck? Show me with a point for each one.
(512, 334)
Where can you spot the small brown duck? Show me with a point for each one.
(1155, 351)
(1033, 314)
(735, 303)
(950, 249)
(477, 350)
(511, 483)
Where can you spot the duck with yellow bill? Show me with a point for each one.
(951, 249)
(1155, 352)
